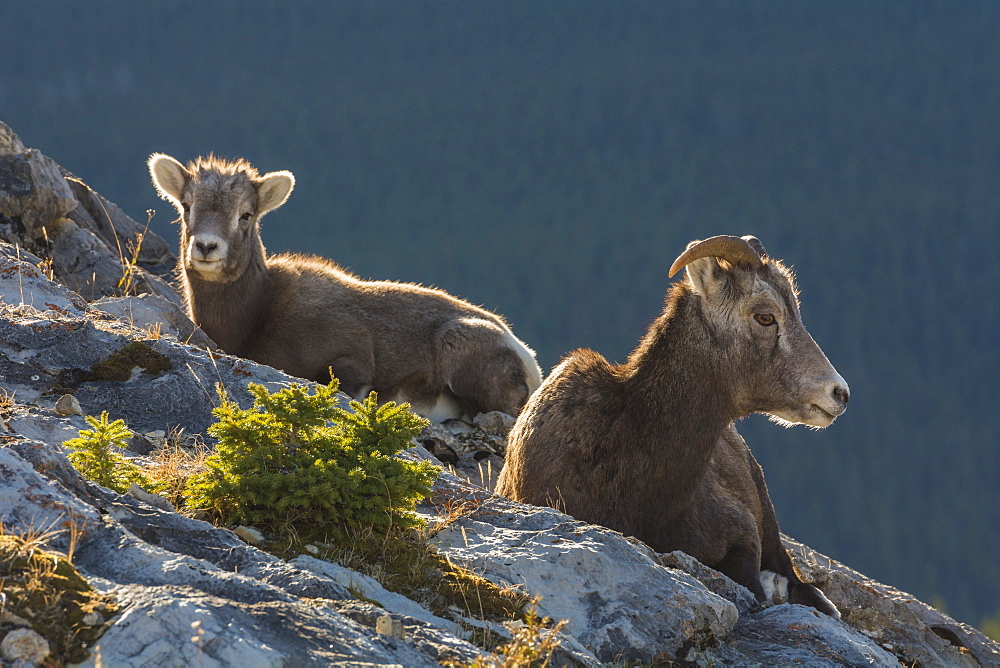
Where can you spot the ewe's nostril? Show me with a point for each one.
(841, 394)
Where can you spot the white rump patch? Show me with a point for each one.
(532, 372)
(444, 408)
(775, 586)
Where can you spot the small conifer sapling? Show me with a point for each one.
(300, 461)
(97, 455)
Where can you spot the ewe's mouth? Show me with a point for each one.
(826, 413)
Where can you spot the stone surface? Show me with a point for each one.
(912, 630)
(33, 191)
(45, 354)
(155, 313)
(620, 603)
(156, 630)
(117, 229)
(91, 244)
(715, 581)
(249, 535)
(793, 634)
(369, 588)
(10, 143)
(23, 284)
(67, 404)
(24, 645)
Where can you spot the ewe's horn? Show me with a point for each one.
(735, 250)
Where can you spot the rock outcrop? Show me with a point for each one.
(190, 593)
(90, 244)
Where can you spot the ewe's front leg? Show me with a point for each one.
(742, 564)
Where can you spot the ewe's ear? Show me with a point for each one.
(273, 190)
(707, 276)
(169, 177)
(712, 276)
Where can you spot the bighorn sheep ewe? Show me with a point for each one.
(649, 448)
(305, 315)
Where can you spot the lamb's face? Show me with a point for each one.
(220, 204)
(218, 212)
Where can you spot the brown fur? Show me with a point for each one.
(305, 315)
(649, 447)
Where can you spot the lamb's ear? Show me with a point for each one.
(273, 190)
(169, 177)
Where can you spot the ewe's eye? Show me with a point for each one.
(245, 218)
(186, 207)
(765, 319)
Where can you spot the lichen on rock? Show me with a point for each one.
(137, 354)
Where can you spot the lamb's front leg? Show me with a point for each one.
(355, 380)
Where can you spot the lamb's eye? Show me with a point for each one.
(186, 207)
(765, 319)
(245, 218)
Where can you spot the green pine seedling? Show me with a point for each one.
(295, 461)
(97, 455)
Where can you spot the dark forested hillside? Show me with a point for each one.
(549, 160)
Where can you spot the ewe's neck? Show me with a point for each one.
(674, 382)
(230, 313)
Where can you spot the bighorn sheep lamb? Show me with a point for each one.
(649, 448)
(306, 315)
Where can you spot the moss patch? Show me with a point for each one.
(46, 591)
(119, 366)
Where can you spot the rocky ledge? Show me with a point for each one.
(188, 593)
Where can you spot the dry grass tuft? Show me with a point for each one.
(41, 589)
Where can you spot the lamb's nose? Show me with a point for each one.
(206, 247)
(841, 394)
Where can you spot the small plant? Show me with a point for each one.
(40, 588)
(180, 457)
(532, 644)
(97, 455)
(404, 562)
(298, 463)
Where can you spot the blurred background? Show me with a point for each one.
(549, 160)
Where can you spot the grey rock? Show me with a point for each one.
(620, 603)
(156, 630)
(33, 191)
(915, 632)
(154, 500)
(117, 229)
(86, 264)
(92, 244)
(67, 404)
(793, 634)
(24, 646)
(370, 588)
(494, 423)
(715, 581)
(24, 284)
(10, 143)
(468, 452)
(53, 352)
(150, 311)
